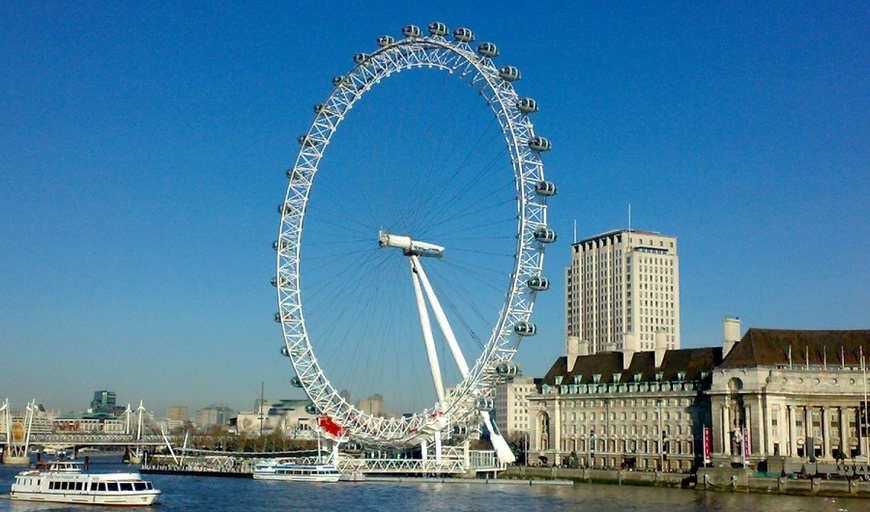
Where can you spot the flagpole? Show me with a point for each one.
(864, 373)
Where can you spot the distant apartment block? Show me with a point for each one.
(373, 405)
(623, 284)
(177, 413)
(215, 414)
(512, 406)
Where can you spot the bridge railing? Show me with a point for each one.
(402, 466)
(76, 439)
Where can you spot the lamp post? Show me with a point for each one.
(526, 441)
(863, 435)
(659, 403)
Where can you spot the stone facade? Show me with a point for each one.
(615, 409)
(788, 394)
(791, 393)
(512, 407)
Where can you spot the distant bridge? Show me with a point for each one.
(96, 440)
(69, 440)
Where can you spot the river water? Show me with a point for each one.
(186, 493)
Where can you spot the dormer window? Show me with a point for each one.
(596, 378)
(578, 379)
(617, 377)
(681, 376)
(558, 379)
(659, 376)
(637, 377)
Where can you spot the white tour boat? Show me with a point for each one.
(289, 471)
(64, 482)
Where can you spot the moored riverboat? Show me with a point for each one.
(289, 471)
(64, 482)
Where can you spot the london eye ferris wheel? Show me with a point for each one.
(406, 295)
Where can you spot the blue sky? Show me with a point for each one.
(143, 149)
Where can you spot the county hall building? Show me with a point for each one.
(794, 395)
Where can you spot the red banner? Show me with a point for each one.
(745, 443)
(708, 445)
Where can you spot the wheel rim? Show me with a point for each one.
(458, 58)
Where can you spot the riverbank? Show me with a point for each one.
(711, 479)
(455, 480)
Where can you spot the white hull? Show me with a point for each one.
(292, 472)
(63, 482)
(137, 500)
(299, 478)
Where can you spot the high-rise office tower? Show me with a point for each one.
(622, 290)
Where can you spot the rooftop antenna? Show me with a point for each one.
(629, 226)
(575, 231)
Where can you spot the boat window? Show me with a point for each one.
(112, 486)
(126, 486)
(79, 486)
(103, 486)
(94, 486)
(64, 486)
(140, 486)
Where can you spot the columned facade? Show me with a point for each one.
(794, 394)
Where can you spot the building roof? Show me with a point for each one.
(780, 347)
(693, 361)
(610, 233)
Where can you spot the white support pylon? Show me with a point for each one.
(428, 339)
(442, 319)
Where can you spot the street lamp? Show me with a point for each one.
(528, 438)
(526, 441)
(659, 403)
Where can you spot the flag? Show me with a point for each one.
(708, 445)
(745, 443)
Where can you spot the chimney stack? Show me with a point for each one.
(661, 347)
(731, 329)
(629, 347)
(572, 350)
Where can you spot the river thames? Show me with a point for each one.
(189, 493)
